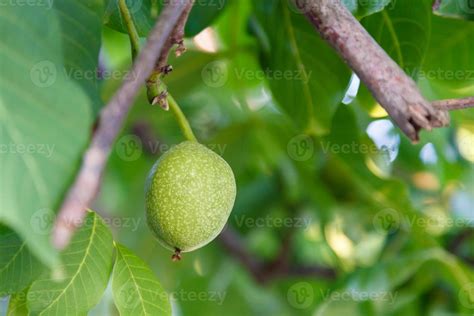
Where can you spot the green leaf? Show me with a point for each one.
(364, 8)
(233, 23)
(143, 14)
(18, 267)
(449, 59)
(202, 15)
(87, 263)
(389, 275)
(17, 305)
(461, 9)
(135, 287)
(44, 124)
(81, 30)
(306, 77)
(403, 32)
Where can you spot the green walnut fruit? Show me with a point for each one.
(190, 193)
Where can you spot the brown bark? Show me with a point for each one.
(396, 92)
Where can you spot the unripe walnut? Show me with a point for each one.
(190, 193)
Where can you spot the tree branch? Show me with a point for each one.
(388, 83)
(111, 119)
(280, 267)
(454, 104)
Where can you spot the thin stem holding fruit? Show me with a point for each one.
(154, 84)
(131, 29)
(158, 94)
(181, 119)
(87, 182)
(176, 255)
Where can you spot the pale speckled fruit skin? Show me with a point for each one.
(190, 193)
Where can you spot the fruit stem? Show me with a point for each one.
(132, 31)
(181, 119)
(156, 89)
(177, 255)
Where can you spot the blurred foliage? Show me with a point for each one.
(393, 219)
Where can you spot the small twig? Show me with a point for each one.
(175, 38)
(454, 246)
(459, 239)
(264, 272)
(231, 241)
(112, 117)
(388, 83)
(454, 104)
(132, 31)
